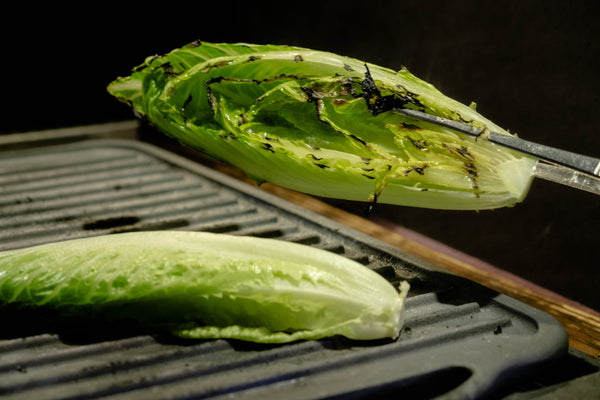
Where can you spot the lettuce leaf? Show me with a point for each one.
(324, 124)
(204, 285)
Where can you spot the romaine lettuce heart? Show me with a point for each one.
(205, 285)
(324, 124)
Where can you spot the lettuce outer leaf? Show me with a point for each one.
(323, 124)
(204, 285)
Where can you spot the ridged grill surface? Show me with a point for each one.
(460, 339)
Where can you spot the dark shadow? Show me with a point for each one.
(421, 387)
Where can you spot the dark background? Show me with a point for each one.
(531, 66)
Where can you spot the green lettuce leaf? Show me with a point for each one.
(204, 285)
(324, 124)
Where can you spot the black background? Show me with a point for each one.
(531, 66)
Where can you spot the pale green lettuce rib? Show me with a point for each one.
(319, 123)
(204, 285)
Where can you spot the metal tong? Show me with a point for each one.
(556, 165)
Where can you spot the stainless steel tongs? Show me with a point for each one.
(560, 166)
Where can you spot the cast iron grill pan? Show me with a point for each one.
(460, 339)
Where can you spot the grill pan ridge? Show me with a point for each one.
(460, 340)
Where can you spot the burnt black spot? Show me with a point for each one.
(412, 99)
(475, 185)
(368, 176)
(346, 86)
(228, 135)
(186, 102)
(315, 97)
(471, 169)
(348, 68)
(215, 65)
(376, 103)
(243, 119)
(354, 137)
(311, 94)
(369, 88)
(253, 58)
(315, 157)
(216, 79)
(418, 170)
(386, 103)
(322, 166)
(419, 144)
(463, 151)
(109, 223)
(281, 76)
(366, 160)
(298, 58)
(167, 67)
(481, 132)
(212, 101)
(368, 169)
(268, 147)
(409, 126)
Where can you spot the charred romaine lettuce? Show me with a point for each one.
(324, 124)
(204, 285)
